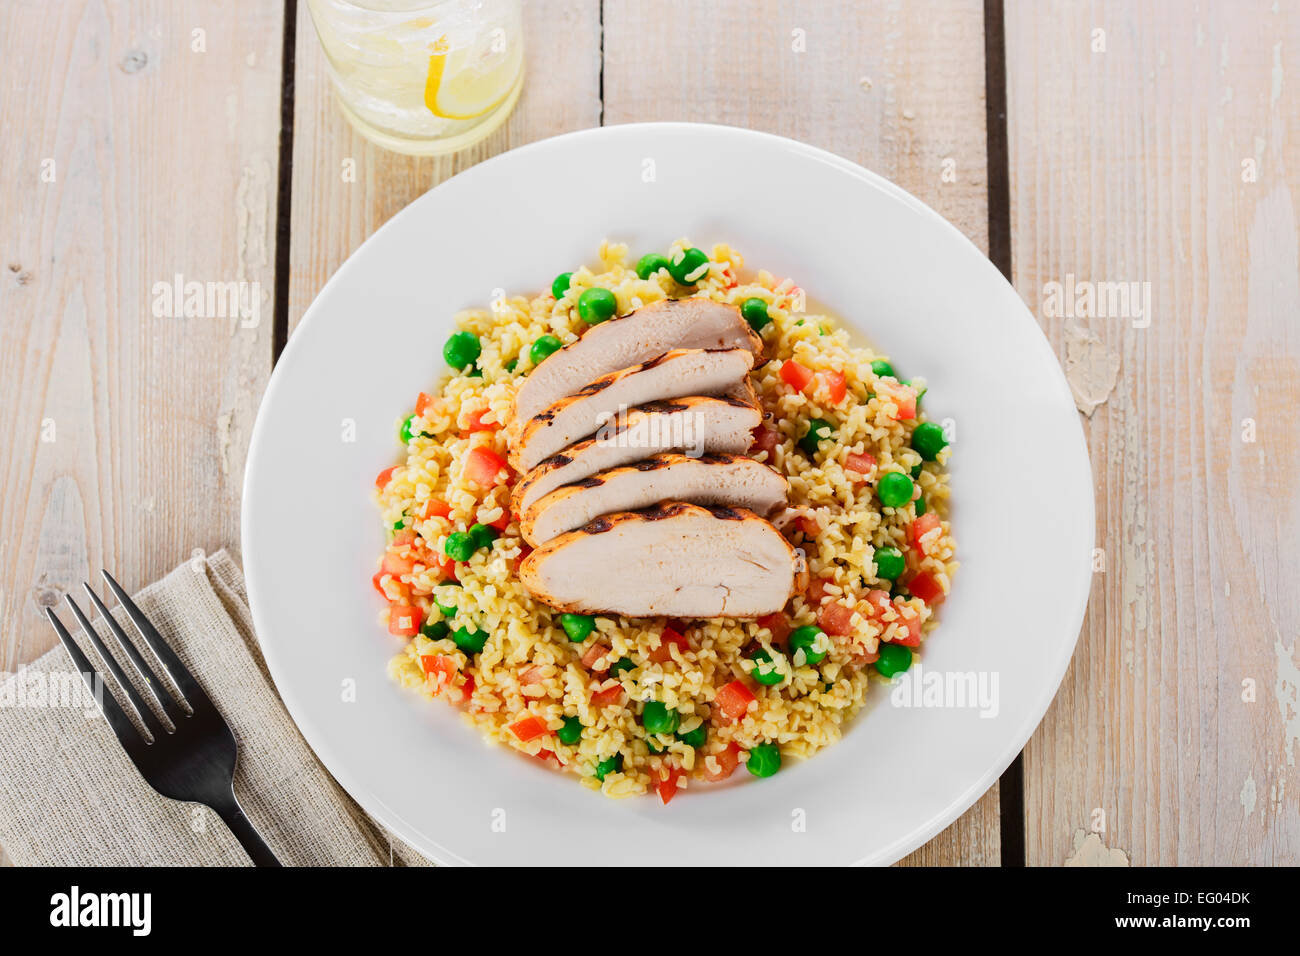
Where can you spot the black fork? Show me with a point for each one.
(195, 761)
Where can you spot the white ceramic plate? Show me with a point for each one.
(894, 271)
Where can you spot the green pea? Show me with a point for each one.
(695, 738)
(483, 535)
(609, 765)
(621, 666)
(768, 675)
(894, 489)
(406, 433)
(894, 659)
(920, 506)
(544, 348)
(475, 372)
(571, 731)
(462, 350)
(435, 630)
(882, 369)
(577, 626)
(446, 610)
(649, 264)
(764, 760)
(596, 305)
(818, 429)
(471, 642)
(653, 747)
(689, 266)
(805, 637)
(889, 563)
(928, 440)
(399, 524)
(459, 546)
(512, 365)
(656, 718)
(755, 312)
(561, 284)
(915, 471)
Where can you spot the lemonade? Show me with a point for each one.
(423, 76)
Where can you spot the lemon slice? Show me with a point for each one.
(466, 83)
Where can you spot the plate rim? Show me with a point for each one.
(370, 802)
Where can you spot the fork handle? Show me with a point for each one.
(232, 814)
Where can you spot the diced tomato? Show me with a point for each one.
(501, 523)
(548, 758)
(446, 568)
(422, 403)
(808, 525)
(436, 508)
(532, 675)
(476, 423)
(667, 638)
(903, 396)
(778, 624)
(396, 564)
(860, 467)
(874, 604)
(441, 667)
(863, 658)
(765, 439)
(609, 695)
(734, 699)
(727, 761)
(666, 783)
(527, 728)
(595, 653)
(816, 591)
(836, 386)
(402, 538)
(382, 479)
(920, 527)
(465, 690)
(403, 620)
(795, 375)
(927, 588)
(484, 467)
(834, 618)
(377, 581)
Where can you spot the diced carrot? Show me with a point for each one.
(836, 386)
(778, 624)
(484, 467)
(403, 620)
(436, 508)
(834, 618)
(765, 439)
(476, 423)
(795, 375)
(382, 479)
(666, 783)
(927, 588)
(667, 638)
(920, 527)
(528, 728)
(726, 760)
(532, 675)
(734, 699)
(859, 467)
(595, 653)
(608, 695)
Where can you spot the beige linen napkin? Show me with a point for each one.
(69, 795)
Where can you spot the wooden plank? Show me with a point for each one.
(1133, 163)
(332, 214)
(898, 88)
(147, 150)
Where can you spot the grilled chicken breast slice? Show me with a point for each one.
(674, 374)
(629, 340)
(677, 560)
(697, 423)
(731, 480)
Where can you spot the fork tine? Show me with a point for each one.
(161, 693)
(177, 671)
(120, 723)
(151, 722)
